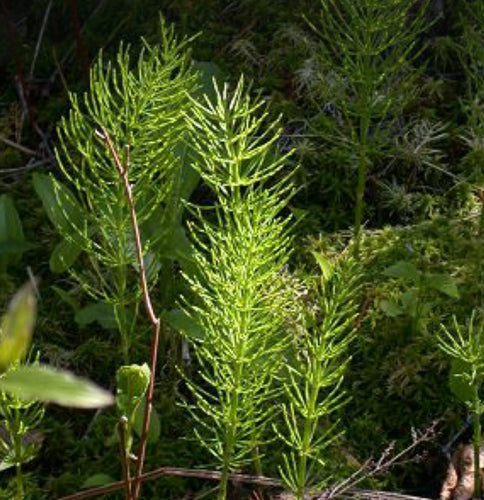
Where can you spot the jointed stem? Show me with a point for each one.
(20, 482)
(477, 443)
(17, 442)
(362, 177)
(309, 425)
(124, 433)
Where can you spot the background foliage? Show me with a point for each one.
(421, 251)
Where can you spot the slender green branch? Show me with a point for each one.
(124, 435)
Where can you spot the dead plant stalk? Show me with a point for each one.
(154, 320)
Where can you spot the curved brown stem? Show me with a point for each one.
(154, 320)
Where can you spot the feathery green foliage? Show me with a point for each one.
(367, 49)
(240, 258)
(472, 55)
(467, 377)
(142, 108)
(313, 381)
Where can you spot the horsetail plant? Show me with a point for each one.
(141, 107)
(466, 348)
(313, 381)
(367, 49)
(242, 246)
(472, 56)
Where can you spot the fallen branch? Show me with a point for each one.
(175, 472)
(21, 148)
(373, 467)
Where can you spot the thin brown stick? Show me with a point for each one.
(372, 468)
(81, 49)
(39, 39)
(21, 148)
(174, 472)
(155, 321)
(358, 494)
(72, 47)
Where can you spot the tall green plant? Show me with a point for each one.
(466, 348)
(472, 56)
(313, 382)
(367, 48)
(141, 106)
(242, 247)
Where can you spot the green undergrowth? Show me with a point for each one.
(249, 215)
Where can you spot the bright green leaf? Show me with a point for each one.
(390, 308)
(62, 207)
(459, 380)
(132, 383)
(97, 480)
(17, 326)
(11, 233)
(47, 384)
(324, 265)
(180, 321)
(443, 283)
(63, 256)
(155, 427)
(404, 270)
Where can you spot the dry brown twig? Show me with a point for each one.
(387, 459)
(175, 472)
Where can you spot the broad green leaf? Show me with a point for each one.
(180, 321)
(62, 207)
(410, 302)
(404, 270)
(47, 384)
(459, 380)
(97, 480)
(390, 308)
(17, 326)
(324, 265)
(175, 246)
(101, 312)
(155, 427)
(11, 233)
(443, 283)
(63, 256)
